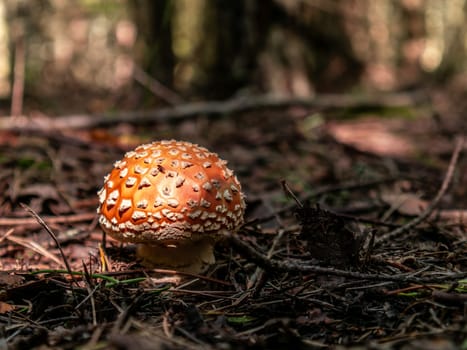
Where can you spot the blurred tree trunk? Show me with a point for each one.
(4, 53)
(220, 47)
(154, 21)
(234, 34)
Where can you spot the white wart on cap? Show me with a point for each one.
(174, 198)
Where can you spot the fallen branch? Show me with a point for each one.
(301, 266)
(212, 108)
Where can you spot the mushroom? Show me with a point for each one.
(174, 199)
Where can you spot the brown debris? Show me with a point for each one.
(331, 239)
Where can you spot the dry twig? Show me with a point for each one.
(63, 219)
(434, 203)
(34, 246)
(54, 237)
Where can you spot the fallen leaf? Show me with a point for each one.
(405, 203)
(5, 307)
(373, 136)
(411, 204)
(330, 238)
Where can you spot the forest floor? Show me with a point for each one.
(370, 253)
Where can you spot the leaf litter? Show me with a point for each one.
(301, 274)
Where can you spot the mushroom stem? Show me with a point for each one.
(191, 257)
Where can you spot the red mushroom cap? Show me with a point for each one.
(168, 192)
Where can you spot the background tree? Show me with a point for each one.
(213, 49)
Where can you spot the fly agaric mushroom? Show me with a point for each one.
(174, 199)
